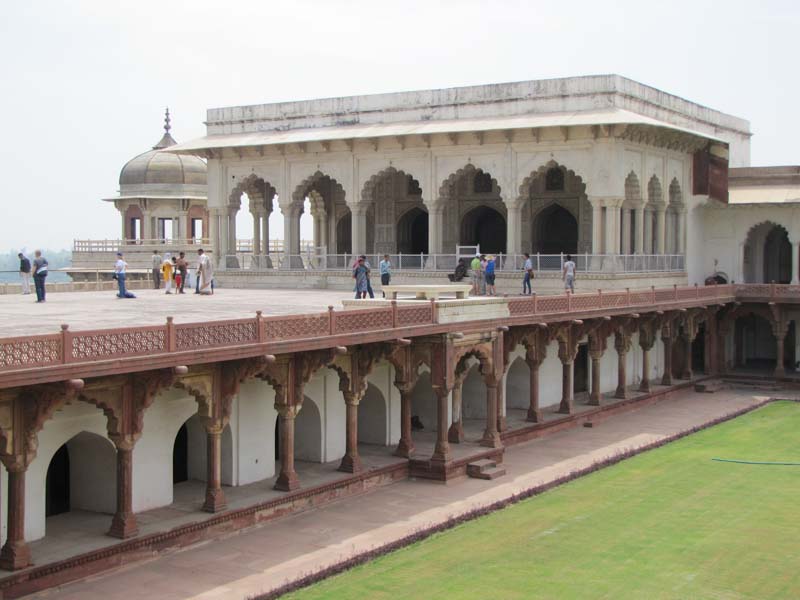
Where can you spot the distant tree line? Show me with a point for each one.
(55, 258)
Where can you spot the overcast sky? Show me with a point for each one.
(84, 84)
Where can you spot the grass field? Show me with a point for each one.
(670, 523)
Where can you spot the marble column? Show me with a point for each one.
(123, 525)
(626, 231)
(265, 233)
(639, 230)
(15, 553)
(441, 452)
(406, 445)
(256, 234)
(287, 478)
(513, 230)
(597, 227)
(648, 232)
(215, 497)
(680, 234)
(455, 435)
(359, 229)
(612, 229)
(351, 461)
(660, 233)
(795, 251)
(435, 229)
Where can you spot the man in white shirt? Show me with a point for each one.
(568, 274)
(119, 272)
(157, 262)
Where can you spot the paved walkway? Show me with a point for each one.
(260, 558)
(21, 315)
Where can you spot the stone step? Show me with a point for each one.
(709, 387)
(485, 469)
(491, 473)
(759, 384)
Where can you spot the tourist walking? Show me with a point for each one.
(369, 272)
(120, 268)
(157, 262)
(490, 276)
(386, 272)
(526, 278)
(361, 275)
(25, 273)
(205, 274)
(568, 274)
(483, 275)
(475, 267)
(167, 269)
(39, 274)
(183, 271)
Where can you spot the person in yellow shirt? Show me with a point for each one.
(167, 268)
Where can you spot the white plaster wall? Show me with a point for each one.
(373, 419)
(473, 395)
(65, 424)
(198, 452)
(308, 430)
(254, 418)
(550, 378)
(93, 473)
(152, 456)
(382, 378)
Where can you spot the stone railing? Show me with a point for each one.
(253, 336)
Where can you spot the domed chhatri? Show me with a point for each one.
(159, 168)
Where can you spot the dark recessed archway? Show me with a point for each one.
(57, 492)
(412, 232)
(344, 232)
(555, 230)
(777, 256)
(485, 227)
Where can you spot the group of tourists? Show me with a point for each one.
(362, 271)
(172, 272)
(36, 270)
(483, 274)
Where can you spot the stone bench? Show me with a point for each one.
(427, 292)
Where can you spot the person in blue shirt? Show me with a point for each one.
(489, 275)
(526, 279)
(386, 271)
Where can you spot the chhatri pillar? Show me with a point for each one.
(215, 497)
(123, 524)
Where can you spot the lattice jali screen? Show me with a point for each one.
(665, 295)
(414, 315)
(521, 306)
(687, 293)
(216, 334)
(118, 343)
(350, 321)
(552, 304)
(305, 326)
(615, 300)
(585, 302)
(30, 352)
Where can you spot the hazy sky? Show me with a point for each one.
(84, 84)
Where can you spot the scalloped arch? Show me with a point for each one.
(369, 185)
(257, 189)
(760, 225)
(655, 193)
(524, 191)
(675, 193)
(633, 189)
(468, 169)
(302, 190)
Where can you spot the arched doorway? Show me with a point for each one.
(485, 227)
(81, 476)
(777, 256)
(372, 418)
(308, 432)
(180, 456)
(412, 232)
(555, 231)
(344, 233)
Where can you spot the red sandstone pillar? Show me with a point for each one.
(534, 413)
(595, 397)
(644, 384)
(780, 370)
(501, 418)
(666, 337)
(215, 497)
(441, 453)
(687, 357)
(622, 375)
(287, 479)
(351, 461)
(15, 554)
(566, 407)
(455, 435)
(406, 445)
(123, 525)
(491, 437)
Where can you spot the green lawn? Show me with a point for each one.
(670, 523)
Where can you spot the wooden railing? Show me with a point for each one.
(86, 347)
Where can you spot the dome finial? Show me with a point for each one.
(166, 140)
(167, 126)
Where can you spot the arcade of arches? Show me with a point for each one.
(551, 213)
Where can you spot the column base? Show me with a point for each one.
(123, 526)
(594, 400)
(666, 379)
(491, 440)
(621, 393)
(287, 482)
(565, 408)
(534, 416)
(404, 448)
(687, 375)
(15, 556)
(455, 435)
(644, 386)
(441, 453)
(351, 464)
(779, 372)
(501, 423)
(215, 501)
